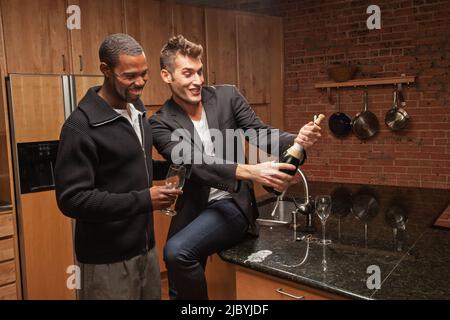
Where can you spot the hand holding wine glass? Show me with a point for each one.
(174, 181)
(323, 209)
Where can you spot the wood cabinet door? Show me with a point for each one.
(37, 107)
(190, 22)
(221, 46)
(83, 84)
(99, 18)
(221, 279)
(254, 58)
(150, 23)
(46, 247)
(36, 36)
(253, 285)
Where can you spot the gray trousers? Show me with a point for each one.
(136, 279)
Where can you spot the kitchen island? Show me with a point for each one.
(392, 252)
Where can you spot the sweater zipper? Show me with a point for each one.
(105, 122)
(148, 177)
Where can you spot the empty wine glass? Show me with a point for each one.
(323, 209)
(174, 180)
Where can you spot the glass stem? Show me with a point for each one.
(323, 231)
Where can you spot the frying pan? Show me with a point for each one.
(341, 202)
(365, 205)
(339, 123)
(365, 124)
(397, 118)
(341, 205)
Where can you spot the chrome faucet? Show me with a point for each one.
(306, 208)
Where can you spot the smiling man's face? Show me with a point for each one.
(187, 79)
(130, 76)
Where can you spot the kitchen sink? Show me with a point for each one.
(283, 213)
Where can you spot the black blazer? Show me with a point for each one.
(225, 109)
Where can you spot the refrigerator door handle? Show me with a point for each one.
(67, 96)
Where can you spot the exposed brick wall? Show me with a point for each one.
(414, 39)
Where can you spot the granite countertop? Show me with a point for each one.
(412, 255)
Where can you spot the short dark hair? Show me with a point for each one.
(178, 44)
(116, 44)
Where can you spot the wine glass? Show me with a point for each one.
(174, 180)
(323, 209)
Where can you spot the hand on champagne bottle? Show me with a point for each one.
(267, 174)
(309, 133)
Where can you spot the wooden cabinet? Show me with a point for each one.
(46, 45)
(254, 58)
(35, 34)
(150, 23)
(221, 49)
(6, 225)
(221, 279)
(8, 292)
(260, 66)
(10, 282)
(190, 22)
(99, 18)
(252, 285)
(37, 107)
(46, 247)
(230, 282)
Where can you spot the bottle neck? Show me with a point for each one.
(295, 150)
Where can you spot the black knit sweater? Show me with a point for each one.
(103, 176)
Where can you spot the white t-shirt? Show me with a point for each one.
(133, 118)
(202, 129)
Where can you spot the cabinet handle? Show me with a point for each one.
(214, 77)
(81, 62)
(281, 291)
(64, 62)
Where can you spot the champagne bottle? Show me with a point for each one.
(292, 156)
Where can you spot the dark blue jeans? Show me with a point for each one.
(220, 226)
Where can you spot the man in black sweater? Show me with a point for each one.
(104, 174)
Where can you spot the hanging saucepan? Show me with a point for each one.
(365, 124)
(339, 123)
(397, 118)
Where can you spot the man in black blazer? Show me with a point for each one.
(218, 207)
